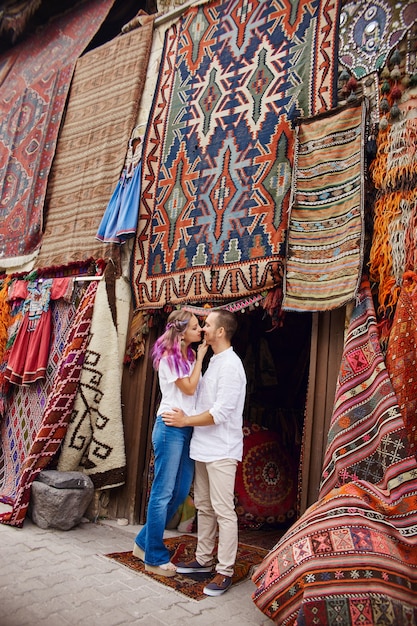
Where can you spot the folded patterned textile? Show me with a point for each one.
(351, 558)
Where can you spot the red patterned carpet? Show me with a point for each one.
(182, 548)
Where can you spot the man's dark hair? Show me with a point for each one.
(228, 321)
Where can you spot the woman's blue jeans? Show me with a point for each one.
(173, 475)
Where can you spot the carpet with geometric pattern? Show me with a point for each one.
(218, 150)
(182, 548)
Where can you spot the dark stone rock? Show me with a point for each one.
(60, 499)
(64, 480)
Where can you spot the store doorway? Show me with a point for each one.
(276, 361)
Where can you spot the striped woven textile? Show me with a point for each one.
(326, 226)
(367, 439)
(102, 107)
(351, 558)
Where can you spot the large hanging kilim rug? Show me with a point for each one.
(34, 81)
(351, 558)
(182, 548)
(218, 150)
(57, 411)
(101, 113)
(325, 232)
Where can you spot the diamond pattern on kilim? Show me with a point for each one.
(218, 151)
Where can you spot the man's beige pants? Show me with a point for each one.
(214, 486)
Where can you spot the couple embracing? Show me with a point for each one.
(197, 434)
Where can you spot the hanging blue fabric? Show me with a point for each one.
(120, 218)
(108, 226)
(129, 206)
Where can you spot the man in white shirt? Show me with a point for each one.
(216, 446)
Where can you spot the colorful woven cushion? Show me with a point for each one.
(266, 480)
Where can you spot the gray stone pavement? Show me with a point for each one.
(59, 578)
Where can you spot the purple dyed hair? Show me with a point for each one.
(169, 344)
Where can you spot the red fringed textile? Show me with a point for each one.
(394, 174)
(393, 236)
(401, 358)
(272, 304)
(58, 410)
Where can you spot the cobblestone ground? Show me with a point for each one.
(58, 578)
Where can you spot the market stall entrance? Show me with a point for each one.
(276, 362)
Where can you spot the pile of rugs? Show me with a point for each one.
(351, 558)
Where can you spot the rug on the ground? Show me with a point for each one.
(218, 150)
(265, 537)
(182, 548)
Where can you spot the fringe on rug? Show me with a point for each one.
(394, 174)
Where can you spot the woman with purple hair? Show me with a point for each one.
(179, 372)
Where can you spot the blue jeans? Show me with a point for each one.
(174, 471)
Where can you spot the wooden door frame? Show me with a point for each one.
(327, 340)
